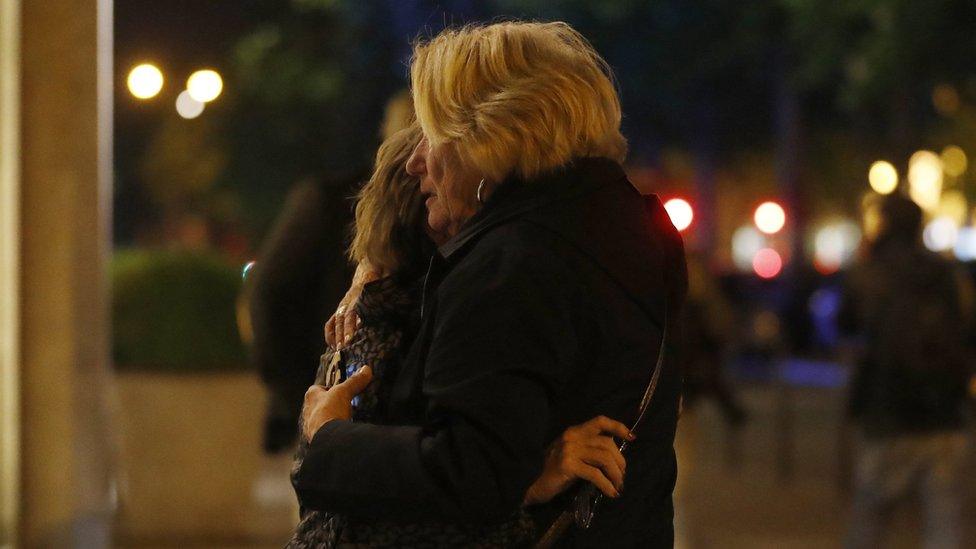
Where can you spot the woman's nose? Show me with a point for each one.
(417, 163)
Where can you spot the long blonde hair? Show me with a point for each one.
(388, 230)
(516, 97)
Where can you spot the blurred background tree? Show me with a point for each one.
(817, 90)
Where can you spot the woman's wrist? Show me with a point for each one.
(365, 273)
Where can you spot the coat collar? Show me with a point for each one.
(516, 197)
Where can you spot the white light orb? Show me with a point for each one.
(188, 107)
(145, 81)
(746, 242)
(770, 217)
(205, 85)
(965, 248)
(883, 177)
(680, 213)
(940, 234)
(925, 179)
(835, 244)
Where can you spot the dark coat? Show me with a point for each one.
(546, 310)
(913, 377)
(301, 274)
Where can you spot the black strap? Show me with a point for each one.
(589, 497)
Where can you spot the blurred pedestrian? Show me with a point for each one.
(909, 391)
(299, 278)
(707, 325)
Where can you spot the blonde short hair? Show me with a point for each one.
(388, 230)
(516, 97)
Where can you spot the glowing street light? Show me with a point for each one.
(925, 179)
(204, 85)
(767, 263)
(954, 206)
(680, 213)
(746, 242)
(834, 245)
(940, 234)
(965, 248)
(188, 107)
(145, 81)
(883, 177)
(770, 217)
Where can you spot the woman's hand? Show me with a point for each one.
(323, 405)
(586, 451)
(342, 325)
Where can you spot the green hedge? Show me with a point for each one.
(174, 311)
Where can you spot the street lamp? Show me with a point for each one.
(145, 81)
(883, 177)
(680, 212)
(770, 217)
(925, 179)
(204, 85)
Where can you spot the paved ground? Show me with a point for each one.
(758, 500)
(778, 484)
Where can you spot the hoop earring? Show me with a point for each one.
(481, 187)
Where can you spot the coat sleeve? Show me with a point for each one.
(503, 343)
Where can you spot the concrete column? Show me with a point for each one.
(9, 271)
(66, 458)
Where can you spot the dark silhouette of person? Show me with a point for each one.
(909, 391)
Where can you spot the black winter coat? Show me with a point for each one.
(546, 310)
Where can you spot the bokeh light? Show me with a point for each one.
(965, 248)
(205, 85)
(145, 81)
(870, 215)
(770, 217)
(767, 263)
(746, 241)
(925, 179)
(953, 205)
(188, 107)
(883, 177)
(954, 161)
(680, 213)
(940, 234)
(834, 245)
(945, 99)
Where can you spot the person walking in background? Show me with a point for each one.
(909, 391)
(707, 326)
(299, 278)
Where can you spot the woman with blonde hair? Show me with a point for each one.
(392, 246)
(548, 302)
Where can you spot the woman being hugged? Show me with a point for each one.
(392, 248)
(545, 305)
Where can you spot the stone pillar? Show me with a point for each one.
(66, 458)
(9, 271)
